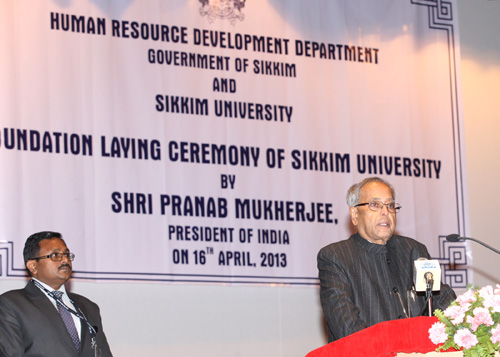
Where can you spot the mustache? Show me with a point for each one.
(65, 265)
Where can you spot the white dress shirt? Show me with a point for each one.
(67, 301)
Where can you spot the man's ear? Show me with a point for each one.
(354, 215)
(31, 265)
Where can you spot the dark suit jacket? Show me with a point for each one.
(30, 325)
(364, 283)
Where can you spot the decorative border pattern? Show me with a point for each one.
(452, 256)
(440, 16)
(7, 262)
(440, 12)
(7, 270)
(453, 260)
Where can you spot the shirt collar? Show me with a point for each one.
(368, 246)
(49, 288)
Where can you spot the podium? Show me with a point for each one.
(384, 339)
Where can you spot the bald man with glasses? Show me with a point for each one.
(368, 278)
(43, 319)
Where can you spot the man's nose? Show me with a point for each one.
(385, 210)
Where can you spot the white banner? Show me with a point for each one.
(214, 141)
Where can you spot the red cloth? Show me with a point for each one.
(384, 339)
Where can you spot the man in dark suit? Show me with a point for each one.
(43, 319)
(368, 278)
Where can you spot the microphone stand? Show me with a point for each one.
(483, 244)
(457, 238)
(429, 280)
(428, 292)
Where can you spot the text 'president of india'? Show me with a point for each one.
(368, 278)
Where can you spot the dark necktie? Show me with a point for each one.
(68, 320)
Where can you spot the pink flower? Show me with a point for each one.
(456, 313)
(486, 291)
(466, 297)
(481, 316)
(492, 301)
(497, 290)
(437, 333)
(466, 339)
(495, 334)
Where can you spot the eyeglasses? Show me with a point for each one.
(377, 206)
(56, 257)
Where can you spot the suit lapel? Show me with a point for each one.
(42, 302)
(85, 338)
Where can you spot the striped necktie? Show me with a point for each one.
(68, 320)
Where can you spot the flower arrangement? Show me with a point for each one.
(471, 323)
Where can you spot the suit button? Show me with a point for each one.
(395, 290)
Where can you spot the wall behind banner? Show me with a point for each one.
(214, 320)
(480, 50)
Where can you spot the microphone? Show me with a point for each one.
(454, 238)
(457, 238)
(427, 275)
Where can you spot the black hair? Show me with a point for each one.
(32, 245)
